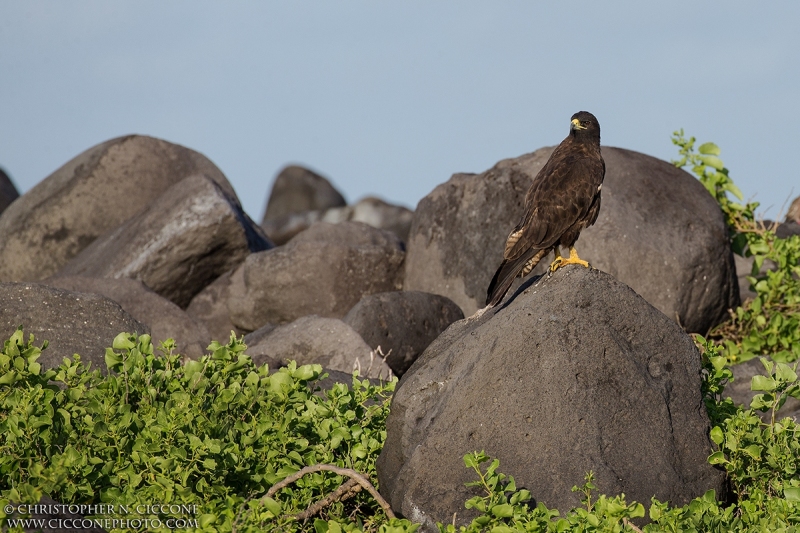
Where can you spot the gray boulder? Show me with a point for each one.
(739, 389)
(210, 307)
(255, 337)
(402, 323)
(317, 340)
(323, 271)
(371, 211)
(163, 318)
(380, 214)
(659, 231)
(189, 236)
(72, 322)
(787, 229)
(281, 230)
(89, 196)
(8, 193)
(574, 373)
(297, 189)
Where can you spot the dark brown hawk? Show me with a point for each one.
(563, 199)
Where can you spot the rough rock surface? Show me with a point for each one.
(8, 193)
(210, 307)
(371, 211)
(744, 268)
(787, 229)
(297, 189)
(187, 238)
(255, 337)
(72, 322)
(164, 319)
(380, 214)
(323, 271)
(402, 323)
(658, 231)
(317, 340)
(93, 193)
(739, 389)
(574, 373)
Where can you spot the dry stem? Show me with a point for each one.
(352, 474)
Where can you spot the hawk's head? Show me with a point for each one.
(584, 124)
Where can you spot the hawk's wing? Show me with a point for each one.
(563, 193)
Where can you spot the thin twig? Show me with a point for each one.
(360, 479)
(346, 490)
(630, 525)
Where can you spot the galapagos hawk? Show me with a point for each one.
(563, 199)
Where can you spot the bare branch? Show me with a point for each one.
(359, 478)
(346, 490)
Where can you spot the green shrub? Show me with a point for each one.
(770, 323)
(216, 433)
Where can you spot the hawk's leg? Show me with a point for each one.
(561, 261)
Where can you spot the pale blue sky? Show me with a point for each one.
(391, 98)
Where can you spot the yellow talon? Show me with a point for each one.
(573, 259)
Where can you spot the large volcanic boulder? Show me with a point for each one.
(93, 193)
(210, 308)
(297, 194)
(370, 210)
(72, 322)
(297, 189)
(659, 231)
(193, 233)
(163, 318)
(574, 373)
(317, 340)
(8, 193)
(323, 271)
(402, 323)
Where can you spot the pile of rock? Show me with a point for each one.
(155, 233)
(575, 371)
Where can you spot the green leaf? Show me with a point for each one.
(735, 191)
(792, 494)
(717, 458)
(272, 506)
(784, 373)
(763, 383)
(753, 451)
(637, 511)
(205, 520)
(503, 510)
(712, 161)
(122, 342)
(8, 378)
(307, 372)
(716, 435)
(709, 149)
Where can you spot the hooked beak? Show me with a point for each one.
(576, 125)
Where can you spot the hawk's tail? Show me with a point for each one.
(509, 270)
